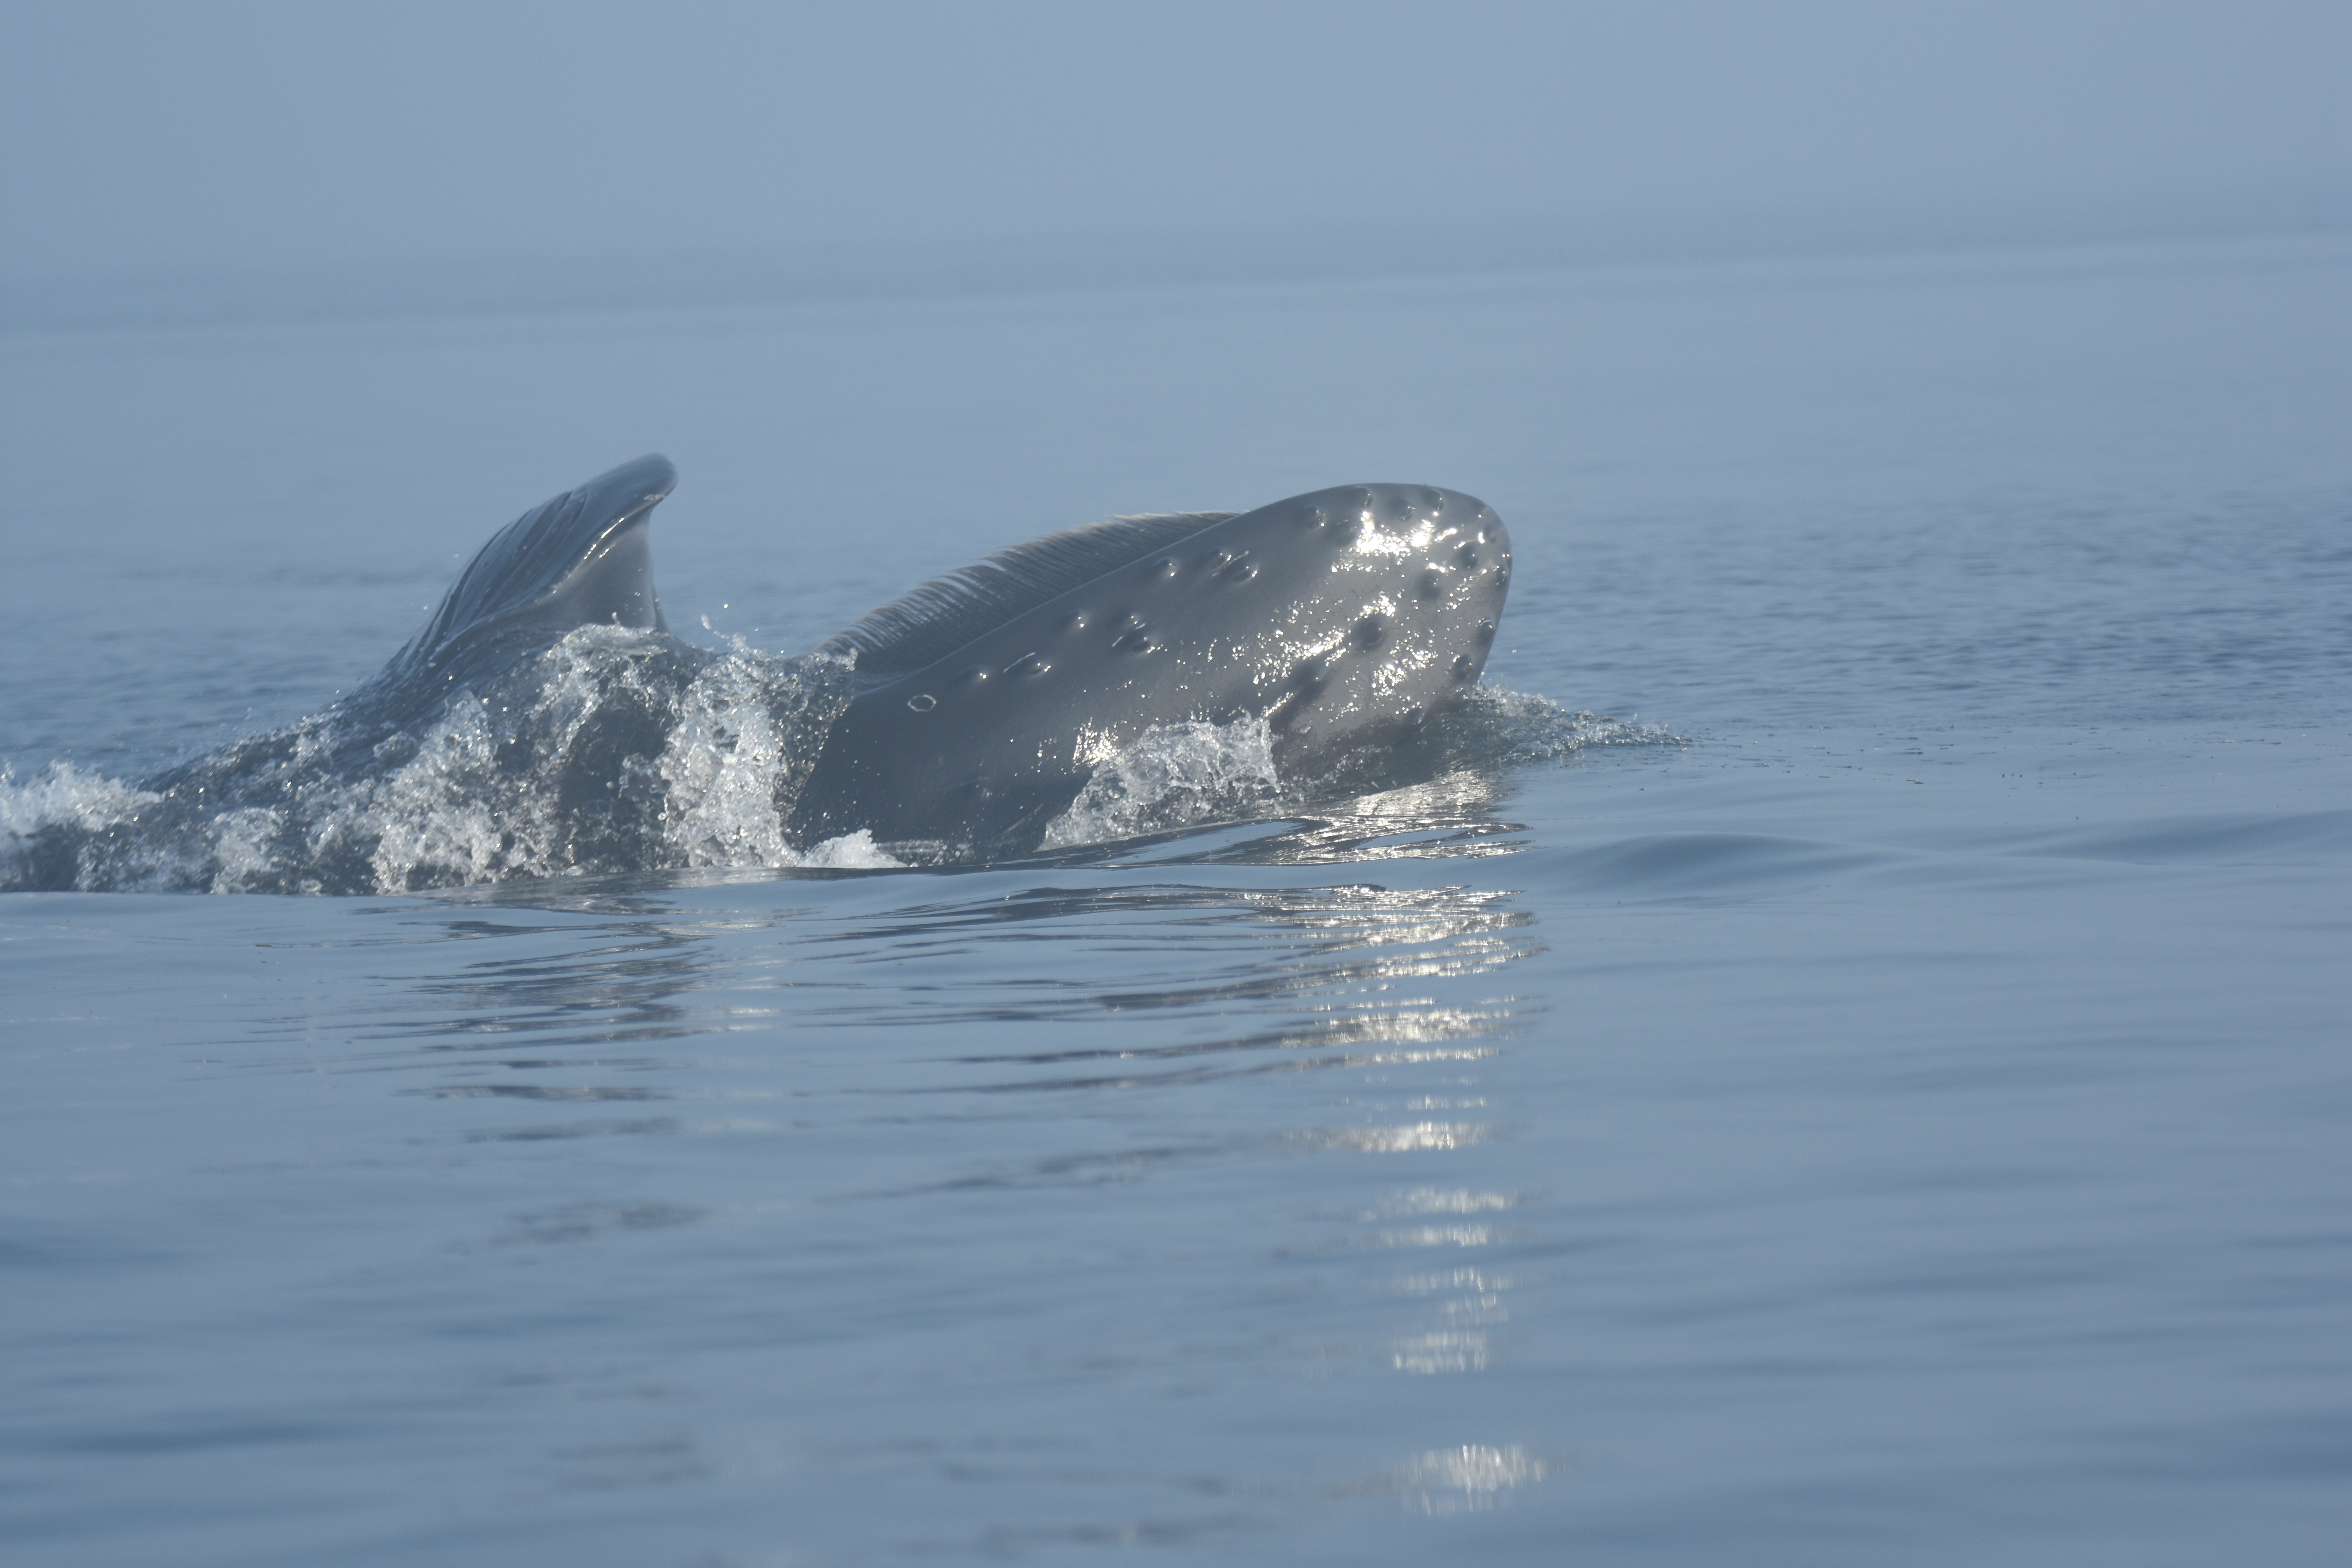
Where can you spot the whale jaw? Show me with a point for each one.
(1343, 619)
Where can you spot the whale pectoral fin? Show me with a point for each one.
(943, 615)
(578, 560)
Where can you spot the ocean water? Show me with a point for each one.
(1843, 1059)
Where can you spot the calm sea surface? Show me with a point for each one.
(1885, 1098)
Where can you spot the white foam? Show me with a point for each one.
(478, 793)
(243, 849)
(852, 851)
(63, 794)
(720, 767)
(1173, 777)
(439, 813)
(100, 813)
(1500, 727)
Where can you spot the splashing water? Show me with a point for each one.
(1173, 776)
(617, 752)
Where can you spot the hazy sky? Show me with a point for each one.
(141, 137)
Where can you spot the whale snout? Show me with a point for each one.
(1424, 571)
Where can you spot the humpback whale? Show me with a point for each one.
(956, 723)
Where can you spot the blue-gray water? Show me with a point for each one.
(1886, 1103)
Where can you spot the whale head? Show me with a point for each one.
(1344, 619)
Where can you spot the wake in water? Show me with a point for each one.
(614, 751)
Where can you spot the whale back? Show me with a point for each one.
(928, 623)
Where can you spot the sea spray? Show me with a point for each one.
(616, 750)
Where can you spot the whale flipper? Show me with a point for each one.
(928, 623)
(578, 560)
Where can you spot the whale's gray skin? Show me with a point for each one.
(957, 721)
(576, 560)
(1345, 618)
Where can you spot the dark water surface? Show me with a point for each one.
(1878, 1096)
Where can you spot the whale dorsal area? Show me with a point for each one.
(927, 624)
(579, 560)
